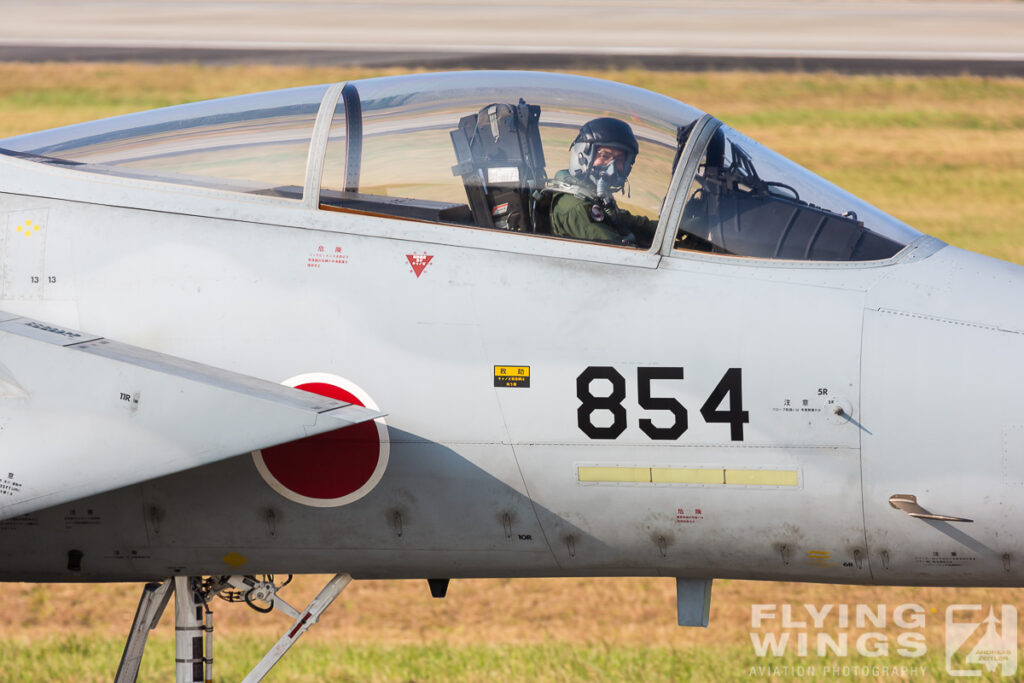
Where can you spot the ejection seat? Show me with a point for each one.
(501, 162)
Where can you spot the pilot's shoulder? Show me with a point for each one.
(564, 183)
(568, 203)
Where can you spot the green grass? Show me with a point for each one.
(88, 658)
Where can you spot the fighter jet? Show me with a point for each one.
(484, 325)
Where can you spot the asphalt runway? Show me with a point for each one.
(921, 36)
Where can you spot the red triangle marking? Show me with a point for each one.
(418, 262)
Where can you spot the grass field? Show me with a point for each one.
(946, 155)
(506, 630)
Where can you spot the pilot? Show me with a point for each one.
(582, 205)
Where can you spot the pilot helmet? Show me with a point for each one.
(603, 132)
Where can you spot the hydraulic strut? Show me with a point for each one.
(193, 621)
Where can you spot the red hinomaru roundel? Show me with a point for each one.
(328, 469)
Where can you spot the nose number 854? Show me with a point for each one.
(728, 391)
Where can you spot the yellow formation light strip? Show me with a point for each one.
(762, 477)
(681, 475)
(631, 475)
(722, 476)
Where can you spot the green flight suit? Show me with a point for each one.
(575, 212)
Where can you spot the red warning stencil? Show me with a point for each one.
(326, 255)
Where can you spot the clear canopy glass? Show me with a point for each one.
(488, 150)
(248, 143)
(746, 200)
(417, 153)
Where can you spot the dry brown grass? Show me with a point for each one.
(39, 96)
(624, 611)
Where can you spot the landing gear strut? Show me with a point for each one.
(193, 621)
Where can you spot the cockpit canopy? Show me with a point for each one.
(481, 150)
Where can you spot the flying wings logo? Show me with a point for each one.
(981, 641)
(976, 642)
(334, 468)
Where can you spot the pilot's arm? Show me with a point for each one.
(572, 216)
(641, 226)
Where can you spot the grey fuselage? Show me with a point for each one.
(859, 382)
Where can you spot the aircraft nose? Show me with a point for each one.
(943, 346)
(943, 412)
(946, 335)
(956, 286)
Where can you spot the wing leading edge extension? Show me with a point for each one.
(80, 415)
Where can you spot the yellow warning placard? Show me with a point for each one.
(512, 375)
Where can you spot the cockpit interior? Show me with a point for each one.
(479, 150)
